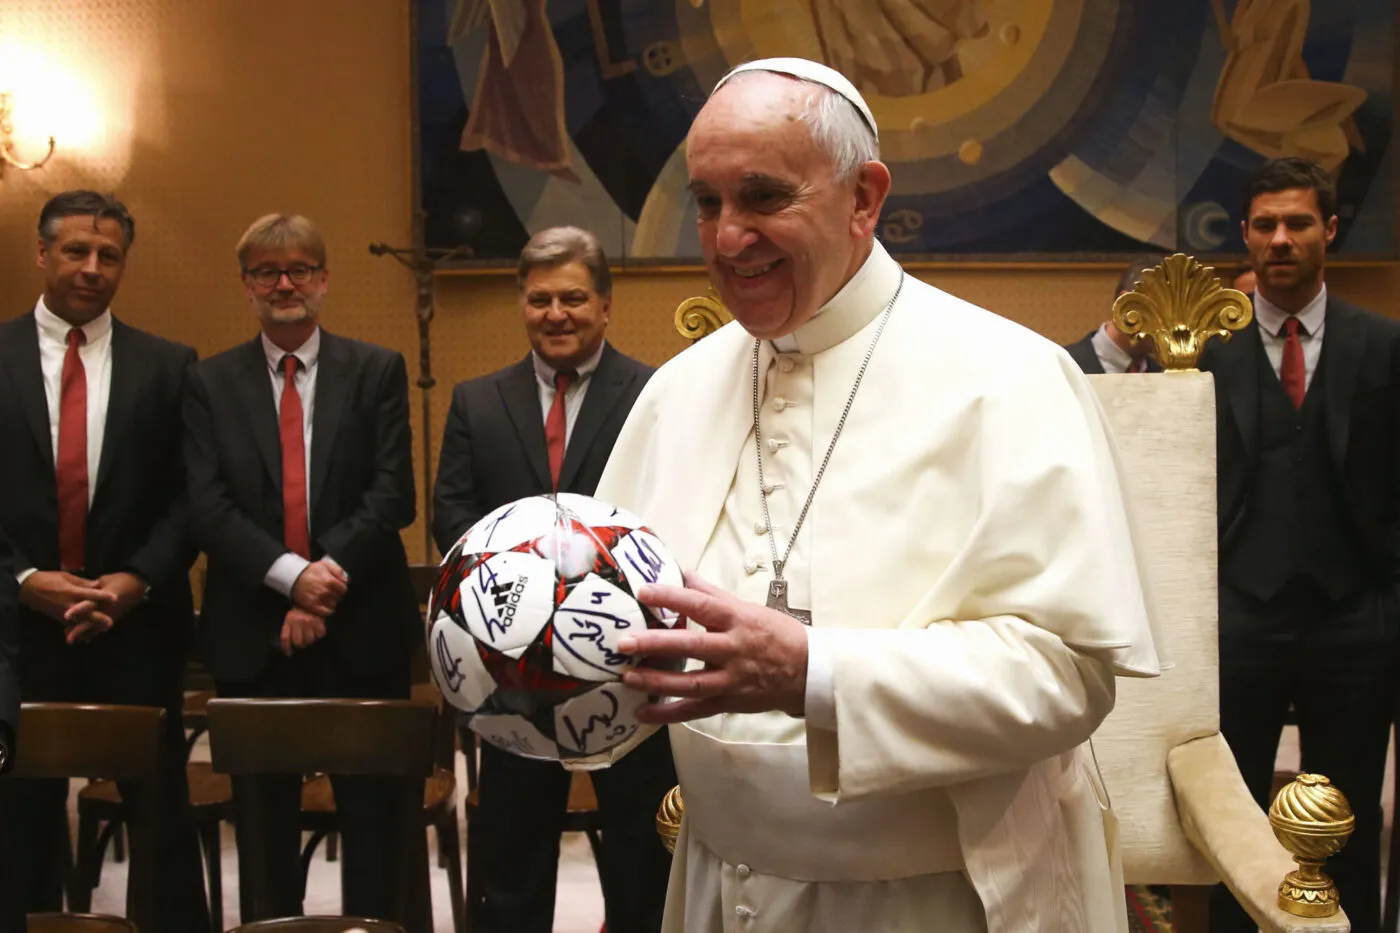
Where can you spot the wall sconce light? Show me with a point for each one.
(7, 146)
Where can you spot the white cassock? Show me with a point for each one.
(969, 565)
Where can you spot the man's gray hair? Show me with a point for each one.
(836, 126)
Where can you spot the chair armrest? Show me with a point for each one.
(1223, 822)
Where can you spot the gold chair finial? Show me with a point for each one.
(1312, 820)
(668, 818)
(1180, 305)
(701, 316)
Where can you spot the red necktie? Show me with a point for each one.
(1138, 365)
(71, 470)
(556, 426)
(1293, 374)
(295, 534)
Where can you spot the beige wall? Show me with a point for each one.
(202, 115)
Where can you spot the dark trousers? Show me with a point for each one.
(123, 666)
(1335, 663)
(515, 837)
(366, 806)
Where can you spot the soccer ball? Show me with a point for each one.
(524, 620)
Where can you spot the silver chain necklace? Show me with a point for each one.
(778, 588)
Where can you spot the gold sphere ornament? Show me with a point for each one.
(1312, 820)
(668, 818)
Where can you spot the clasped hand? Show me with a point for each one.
(315, 597)
(755, 658)
(85, 607)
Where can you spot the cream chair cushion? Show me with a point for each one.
(1165, 428)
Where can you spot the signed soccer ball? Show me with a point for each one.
(525, 617)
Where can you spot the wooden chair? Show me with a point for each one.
(101, 815)
(319, 817)
(62, 740)
(319, 925)
(78, 923)
(387, 738)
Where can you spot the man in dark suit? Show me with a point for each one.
(546, 424)
(1106, 349)
(92, 502)
(300, 478)
(1308, 438)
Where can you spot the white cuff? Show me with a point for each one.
(820, 702)
(25, 575)
(283, 573)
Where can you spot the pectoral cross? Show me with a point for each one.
(777, 599)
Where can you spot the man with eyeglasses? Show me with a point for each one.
(92, 506)
(300, 467)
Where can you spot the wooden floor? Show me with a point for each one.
(579, 902)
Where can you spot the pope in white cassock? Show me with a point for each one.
(911, 573)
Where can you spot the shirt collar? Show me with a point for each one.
(858, 303)
(308, 352)
(56, 328)
(1109, 351)
(1271, 317)
(545, 373)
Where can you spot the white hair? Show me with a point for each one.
(836, 126)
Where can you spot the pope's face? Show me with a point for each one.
(780, 233)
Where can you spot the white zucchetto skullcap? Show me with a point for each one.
(814, 72)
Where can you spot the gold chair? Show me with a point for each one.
(68, 740)
(387, 738)
(1186, 818)
(78, 923)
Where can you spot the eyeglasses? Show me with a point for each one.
(268, 276)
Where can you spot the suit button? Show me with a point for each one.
(786, 365)
(759, 528)
(742, 871)
(776, 444)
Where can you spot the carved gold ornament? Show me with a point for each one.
(701, 316)
(1179, 306)
(1312, 820)
(668, 818)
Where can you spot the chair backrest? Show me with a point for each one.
(392, 739)
(379, 737)
(67, 740)
(319, 925)
(1168, 473)
(87, 740)
(78, 923)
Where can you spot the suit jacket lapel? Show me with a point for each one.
(261, 408)
(521, 395)
(128, 371)
(605, 388)
(332, 386)
(26, 374)
(1342, 347)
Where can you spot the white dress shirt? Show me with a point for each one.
(1112, 358)
(283, 573)
(573, 397)
(1313, 319)
(96, 354)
